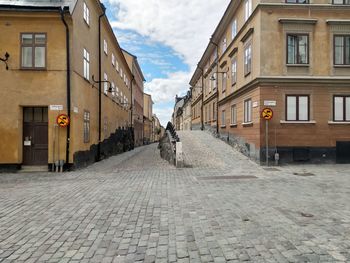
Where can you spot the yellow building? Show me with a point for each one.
(147, 118)
(63, 59)
(292, 56)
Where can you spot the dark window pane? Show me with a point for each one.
(291, 50)
(347, 50)
(303, 50)
(38, 114)
(27, 39)
(40, 39)
(339, 50)
(45, 115)
(28, 114)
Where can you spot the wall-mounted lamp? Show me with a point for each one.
(212, 78)
(7, 55)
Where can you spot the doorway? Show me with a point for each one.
(35, 136)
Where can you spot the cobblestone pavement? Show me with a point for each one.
(135, 207)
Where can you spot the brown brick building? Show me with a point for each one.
(291, 56)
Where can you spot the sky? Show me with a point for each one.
(168, 37)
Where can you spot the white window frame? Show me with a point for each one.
(223, 118)
(248, 59)
(234, 71)
(86, 64)
(224, 82)
(247, 9)
(117, 65)
(86, 14)
(105, 46)
(248, 109)
(234, 29)
(113, 60)
(234, 114)
(298, 108)
(113, 89)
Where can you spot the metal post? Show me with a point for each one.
(267, 142)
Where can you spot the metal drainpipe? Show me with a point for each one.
(202, 108)
(99, 84)
(68, 83)
(132, 110)
(217, 86)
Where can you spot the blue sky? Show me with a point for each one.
(168, 37)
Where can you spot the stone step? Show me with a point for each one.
(33, 168)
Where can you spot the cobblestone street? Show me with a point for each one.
(135, 207)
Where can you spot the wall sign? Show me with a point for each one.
(270, 103)
(56, 107)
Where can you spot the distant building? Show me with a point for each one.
(147, 118)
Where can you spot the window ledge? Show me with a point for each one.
(223, 126)
(233, 125)
(341, 66)
(247, 124)
(339, 122)
(298, 65)
(297, 122)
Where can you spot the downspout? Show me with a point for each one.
(202, 117)
(132, 112)
(99, 83)
(68, 83)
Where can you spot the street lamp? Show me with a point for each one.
(7, 55)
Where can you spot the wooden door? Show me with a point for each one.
(35, 136)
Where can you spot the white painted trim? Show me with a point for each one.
(339, 122)
(297, 122)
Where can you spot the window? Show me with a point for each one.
(117, 65)
(121, 72)
(248, 111)
(214, 82)
(224, 45)
(86, 126)
(105, 46)
(297, 108)
(33, 48)
(86, 14)
(341, 106)
(113, 89)
(224, 81)
(113, 60)
(233, 115)
(105, 84)
(247, 9)
(297, 49)
(223, 118)
(234, 29)
(209, 114)
(342, 50)
(86, 64)
(247, 59)
(341, 2)
(234, 71)
(117, 91)
(214, 111)
(297, 1)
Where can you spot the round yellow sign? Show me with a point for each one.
(267, 114)
(63, 120)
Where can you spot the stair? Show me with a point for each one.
(34, 169)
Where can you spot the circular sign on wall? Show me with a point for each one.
(267, 114)
(63, 120)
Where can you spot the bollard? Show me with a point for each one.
(179, 155)
(277, 158)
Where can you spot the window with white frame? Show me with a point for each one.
(234, 28)
(224, 81)
(113, 89)
(214, 81)
(86, 63)
(234, 71)
(341, 108)
(248, 111)
(105, 46)
(113, 60)
(86, 126)
(224, 45)
(297, 49)
(86, 14)
(247, 9)
(223, 118)
(297, 108)
(121, 72)
(248, 59)
(117, 91)
(117, 65)
(233, 115)
(105, 84)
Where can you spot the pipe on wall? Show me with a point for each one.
(68, 83)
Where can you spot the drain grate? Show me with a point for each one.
(306, 214)
(304, 174)
(227, 177)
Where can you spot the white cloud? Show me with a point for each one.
(165, 89)
(183, 25)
